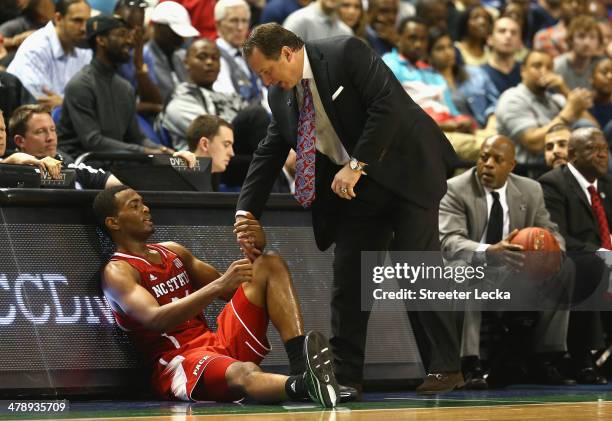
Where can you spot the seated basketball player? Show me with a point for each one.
(158, 293)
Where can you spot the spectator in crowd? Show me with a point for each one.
(318, 20)
(197, 96)
(578, 196)
(201, 14)
(546, 13)
(36, 15)
(278, 10)
(474, 28)
(526, 112)
(434, 12)
(171, 27)
(351, 12)
(33, 130)
(481, 212)
(602, 102)
(235, 76)
(50, 57)
(136, 70)
(211, 136)
(10, 9)
(605, 49)
(502, 67)
(552, 39)
(577, 65)
(518, 12)
(597, 9)
(99, 112)
(19, 158)
(556, 143)
(473, 93)
(428, 88)
(12, 95)
(380, 32)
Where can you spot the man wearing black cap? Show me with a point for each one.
(99, 112)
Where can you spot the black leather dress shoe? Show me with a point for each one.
(589, 375)
(473, 374)
(350, 394)
(549, 374)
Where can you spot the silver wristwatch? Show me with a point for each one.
(355, 165)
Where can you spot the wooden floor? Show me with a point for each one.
(586, 411)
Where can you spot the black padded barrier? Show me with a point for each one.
(57, 334)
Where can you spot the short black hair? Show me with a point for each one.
(204, 126)
(62, 6)
(105, 205)
(404, 22)
(270, 38)
(532, 52)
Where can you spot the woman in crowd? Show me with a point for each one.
(474, 27)
(473, 93)
(351, 13)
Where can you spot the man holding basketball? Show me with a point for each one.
(480, 214)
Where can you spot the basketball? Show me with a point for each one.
(543, 257)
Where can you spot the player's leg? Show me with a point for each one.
(272, 289)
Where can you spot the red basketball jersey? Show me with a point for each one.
(167, 282)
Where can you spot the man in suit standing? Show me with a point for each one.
(371, 165)
(481, 212)
(577, 197)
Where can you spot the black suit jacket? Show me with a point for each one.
(570, 209)
(377, 122)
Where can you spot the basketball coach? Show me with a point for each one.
(371, 165)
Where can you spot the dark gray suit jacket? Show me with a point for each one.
(376, 121)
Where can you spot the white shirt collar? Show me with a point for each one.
(582, 182)
(501, 190)
(307, 71)
(56, 46)
(227, 46)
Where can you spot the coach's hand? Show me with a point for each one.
(250, 235)
(344, 182)
(506, 254)
(238, 272)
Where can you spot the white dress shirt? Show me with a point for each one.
(42, 62)
(328, 142)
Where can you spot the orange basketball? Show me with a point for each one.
(543, 254)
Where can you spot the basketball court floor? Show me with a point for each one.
(523, 402)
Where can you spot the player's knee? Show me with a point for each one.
(239, 375)
(271, 262)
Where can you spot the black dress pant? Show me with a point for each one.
(378, 220)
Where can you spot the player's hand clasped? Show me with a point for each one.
(250, 236)
(238, 272)
(345, 181)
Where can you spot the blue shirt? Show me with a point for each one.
(404, 71)
(41, 62)
(476, 96)
(128, 71)
(278, 10)
(503, 81)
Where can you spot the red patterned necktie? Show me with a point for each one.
(306, 152)
(602, 220)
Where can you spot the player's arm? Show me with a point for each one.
(200, 273)
(120, 284)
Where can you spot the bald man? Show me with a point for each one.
(569, 192)
(481, 212)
